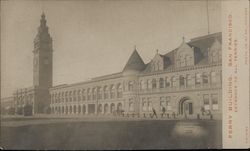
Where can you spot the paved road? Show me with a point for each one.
(15, 121)
(92, 133)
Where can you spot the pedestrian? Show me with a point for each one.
(202, 110)
(163, 111)
(154, 113)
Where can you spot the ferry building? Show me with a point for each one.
(185, 81)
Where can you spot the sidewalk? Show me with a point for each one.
(16, 121)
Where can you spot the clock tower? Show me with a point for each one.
(42, 56)
(42, 67)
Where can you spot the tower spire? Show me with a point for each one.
(134, 47)
(43, 30)
(208, 30)
(43, 20)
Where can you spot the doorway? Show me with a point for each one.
(186, 106)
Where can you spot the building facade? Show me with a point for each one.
(7, 105)
(186, 81)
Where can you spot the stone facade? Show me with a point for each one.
(185, 81)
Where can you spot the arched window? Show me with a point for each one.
(161, 83)
(130, 86)
(154, 84)
(94, 93)
(168, 103)
(149, 84)
(156, 65)
(131, 105)
(83, 94)
(213, 78)
(205, 78)
(66, 109)
(215, 105)
(99, 93)
(189, 80)
(112, 91)
(150, 106)
(88, 94)
(142, 85)
(187, 60)
(174, 81)
(181, 59)
(162, 103)
(119, 91)
(63, 110)
(167, 82)
(74, 109)
(106, 92)
(206, 102)
(144, 104)
(182, 81)
(215, 56)
(198, 79)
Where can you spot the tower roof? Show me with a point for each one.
(43, 30)
(135, 62)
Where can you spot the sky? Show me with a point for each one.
(95, 38)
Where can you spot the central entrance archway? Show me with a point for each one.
(186, 106)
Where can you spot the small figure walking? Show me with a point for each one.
(163, 111)
(202, 110)
(154, 113)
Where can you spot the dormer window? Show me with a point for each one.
(154, 84)
(157, 66)
(215, 56)
(184, 60)
(215, 52)
(185, 55)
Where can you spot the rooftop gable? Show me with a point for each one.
(135, 62)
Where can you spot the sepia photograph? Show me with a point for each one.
(106, 74)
